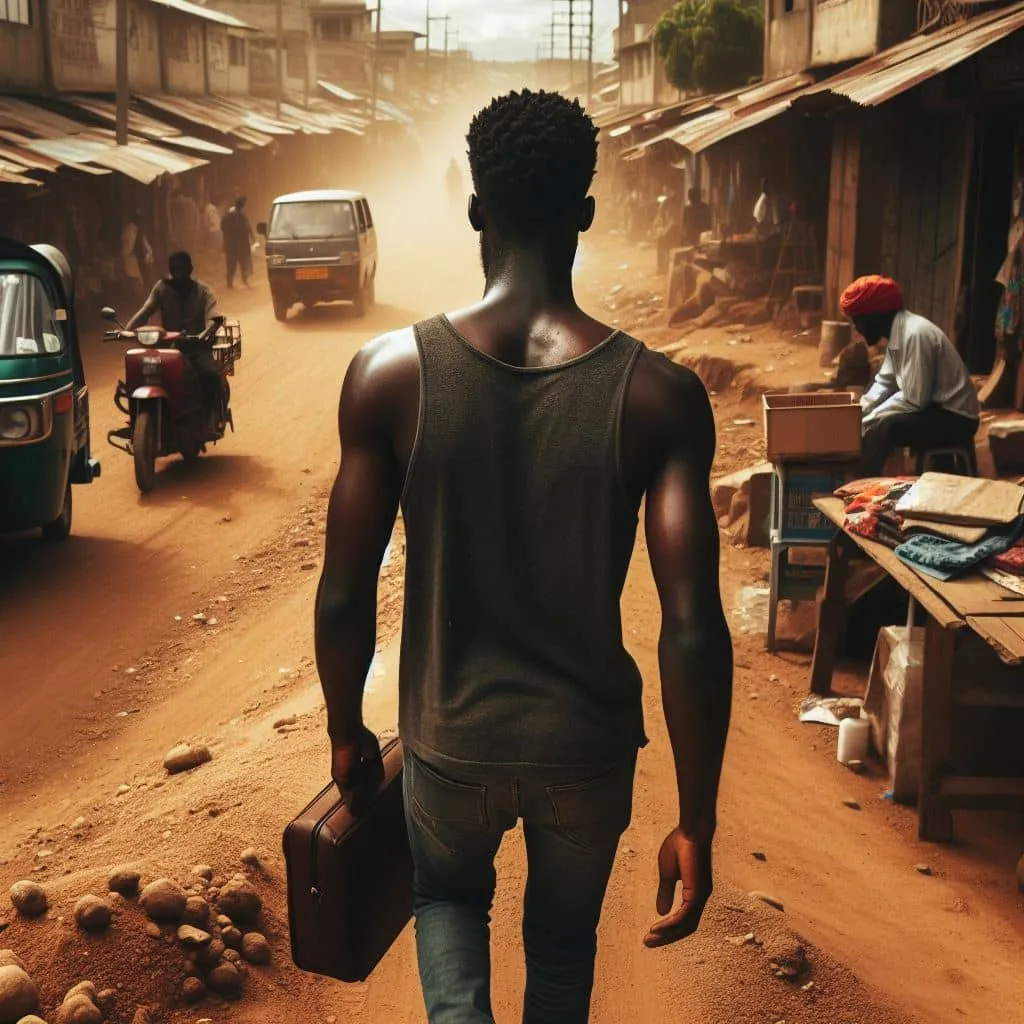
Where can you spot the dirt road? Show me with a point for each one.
(100, 680)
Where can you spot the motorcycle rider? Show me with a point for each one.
(188, 306)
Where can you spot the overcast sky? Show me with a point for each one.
(498, 29)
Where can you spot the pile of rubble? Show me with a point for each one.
(208, 925)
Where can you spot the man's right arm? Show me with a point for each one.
(694, 649)
(884, 386)
(151, 306)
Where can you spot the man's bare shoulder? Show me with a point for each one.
(666, 386)
(386, 356)
(384, 377)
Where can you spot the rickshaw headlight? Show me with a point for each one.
(20, 422)
(148, 336)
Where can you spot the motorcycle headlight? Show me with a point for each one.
(148, 336)
(21, 421)
(277, 260)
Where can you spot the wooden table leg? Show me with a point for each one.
(831, 615)
(935, 822)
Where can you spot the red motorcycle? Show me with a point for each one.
(162, 393)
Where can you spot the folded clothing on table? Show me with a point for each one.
(871, 508)
(945, 559)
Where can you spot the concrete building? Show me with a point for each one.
(801, 34)
(643, 78)
(343, 42)
(173, 46)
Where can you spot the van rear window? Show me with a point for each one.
(312, 220)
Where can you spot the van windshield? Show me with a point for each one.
(312, 220)
(28, 323)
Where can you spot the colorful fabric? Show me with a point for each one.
(1011, 560)
(946, 559)
(871, 508)
(871, 294)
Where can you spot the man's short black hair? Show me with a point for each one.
(533, 156)
(180, 259)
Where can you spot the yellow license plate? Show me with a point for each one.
(311, 274)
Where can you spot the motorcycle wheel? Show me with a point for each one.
(60, 528)
(281, 308)
(144, 448)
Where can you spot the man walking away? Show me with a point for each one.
(238, 242)
(520, 437)
(922, 396)
(697, 219)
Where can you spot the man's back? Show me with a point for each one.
(519, 527)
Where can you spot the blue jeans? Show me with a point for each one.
(572, 820)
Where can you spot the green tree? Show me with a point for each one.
(711, 45)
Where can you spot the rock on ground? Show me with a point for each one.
(193, 938)
(192, 990)
(79, 1009)
(92, 914)
(251, 858)
(83, 988)
(197, 912)
(240, 901)
(210, 954)
(226, 980)
(256, 949)
(125, 882)
(29, 899)
(18, 994)
(232, 937)
(163, 900)
(8, 958)
(31, 1019)
(185, 757)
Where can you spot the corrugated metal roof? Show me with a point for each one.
(908, 64)
(142, 124)
(869, 83)
(206, 13)
(210, 115)
(338, 92)
(722, 109)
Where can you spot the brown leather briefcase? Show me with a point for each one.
(349, 878)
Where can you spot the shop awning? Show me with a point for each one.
(210, 115)
(723, 111)
(28, 128)
(206, 13)
(144, 125)
(869, 83)
(879, 79)
(386, 111)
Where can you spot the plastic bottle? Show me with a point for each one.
(853, 740)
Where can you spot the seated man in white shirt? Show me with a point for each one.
(923, 396)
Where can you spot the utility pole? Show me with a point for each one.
(376, 75)
(572, 23)
(279, 62)
(121, 57)
(426, 56)
(444, 18)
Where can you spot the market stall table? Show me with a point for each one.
(975, 603)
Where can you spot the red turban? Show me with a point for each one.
(872, 294)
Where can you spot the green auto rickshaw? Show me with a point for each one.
(44, 401)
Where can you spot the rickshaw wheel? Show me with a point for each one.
(60, 528)
(144, 449)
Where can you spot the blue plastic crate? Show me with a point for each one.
(794, 489)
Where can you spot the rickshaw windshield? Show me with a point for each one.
(28, 321)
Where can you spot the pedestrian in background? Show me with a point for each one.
(238, 242)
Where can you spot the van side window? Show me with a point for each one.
(369, 216)
(362, 216)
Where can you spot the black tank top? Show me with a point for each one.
(519, 532)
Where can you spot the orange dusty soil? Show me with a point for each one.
(105, 669)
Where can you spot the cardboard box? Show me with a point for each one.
(815, 425)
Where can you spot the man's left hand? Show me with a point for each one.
(357, 767)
